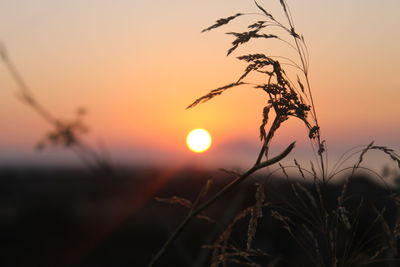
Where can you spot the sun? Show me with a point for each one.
(198, 140)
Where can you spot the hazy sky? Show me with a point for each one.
(136, 64)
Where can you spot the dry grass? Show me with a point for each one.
(326, 232)
(64, 133)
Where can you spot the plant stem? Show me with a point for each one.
(305, 71)
(79, 147)
(193, 213)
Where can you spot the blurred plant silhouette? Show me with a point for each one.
(65, 133)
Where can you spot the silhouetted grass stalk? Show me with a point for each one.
(321, 225)
(198, 210)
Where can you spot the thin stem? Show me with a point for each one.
(290, 60)
(305, 67)
(193, 213)
(260, 155)
(26, 94)
(80, 148)
(271, 132)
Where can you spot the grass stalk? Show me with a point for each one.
(65, 133)
(194, 212)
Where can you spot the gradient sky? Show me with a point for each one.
(136, 64)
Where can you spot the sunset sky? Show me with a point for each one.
(136, 64)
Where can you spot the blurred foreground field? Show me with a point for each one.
(67, 217)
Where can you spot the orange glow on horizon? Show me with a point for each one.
(136, 88)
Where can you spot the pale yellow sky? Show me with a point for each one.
(136, 65)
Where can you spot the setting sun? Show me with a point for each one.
(198, 140)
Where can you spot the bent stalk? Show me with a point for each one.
(194, 212)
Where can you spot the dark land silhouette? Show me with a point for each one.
(70, 217)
